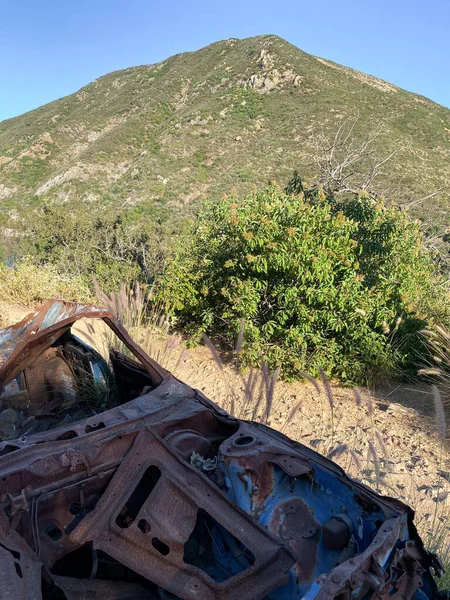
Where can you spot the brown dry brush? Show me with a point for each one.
(133, 305)
(372, 456)
(357, 396)
(437, 371)
(441, 426)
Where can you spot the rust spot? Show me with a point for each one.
(294, 522)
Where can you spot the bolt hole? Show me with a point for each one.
(144, 526)
(244, 440)
(53, 531)
(75, 508)
(160, 546)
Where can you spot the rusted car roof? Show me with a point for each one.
(21, 343)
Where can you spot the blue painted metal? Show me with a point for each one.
(326, 495)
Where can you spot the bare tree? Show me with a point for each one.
(345, 164)
(349, 166)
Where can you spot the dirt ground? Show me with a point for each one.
(11, 313)
(385, 438)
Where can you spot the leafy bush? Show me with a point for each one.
(249, 104)
(113, 245)
(318, 284)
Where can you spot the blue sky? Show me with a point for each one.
(51, 48)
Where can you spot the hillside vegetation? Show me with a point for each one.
(327, 276)
(156, 138)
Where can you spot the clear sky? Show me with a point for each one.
(51, 48)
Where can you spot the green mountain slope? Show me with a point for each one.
(234, 114)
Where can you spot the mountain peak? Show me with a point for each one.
(234, 114)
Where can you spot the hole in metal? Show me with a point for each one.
(53, 531)
(18, 570)
(138, 498)
(144, 526)
(67, 435)
(245, 440)
(160, 546)
(94, 427)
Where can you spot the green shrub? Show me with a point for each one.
(318, 284)
(113, 245)
(249, 104)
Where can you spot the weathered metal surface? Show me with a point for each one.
(171, 509)
(96, 589)
(167, 496)
(20, 570)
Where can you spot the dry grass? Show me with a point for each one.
(31, 285)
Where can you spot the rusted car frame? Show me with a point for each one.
(165, 495)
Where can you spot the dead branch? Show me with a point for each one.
(347, 165)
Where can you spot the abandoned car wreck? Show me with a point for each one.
(163, 495)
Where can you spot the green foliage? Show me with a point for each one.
(113, 246)
(2, 250)
(31, 171)
(154, 146)
(199, 158)
(246, 174)
(318, 284)
(249, 104)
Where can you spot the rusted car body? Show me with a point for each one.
(164, 495)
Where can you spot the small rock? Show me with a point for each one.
(441, 496)
(7, 430)
(9, 416)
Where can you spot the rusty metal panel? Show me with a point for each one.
(171, 511)
(95, 589)
(20, 570)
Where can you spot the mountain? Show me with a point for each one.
(231, 115)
